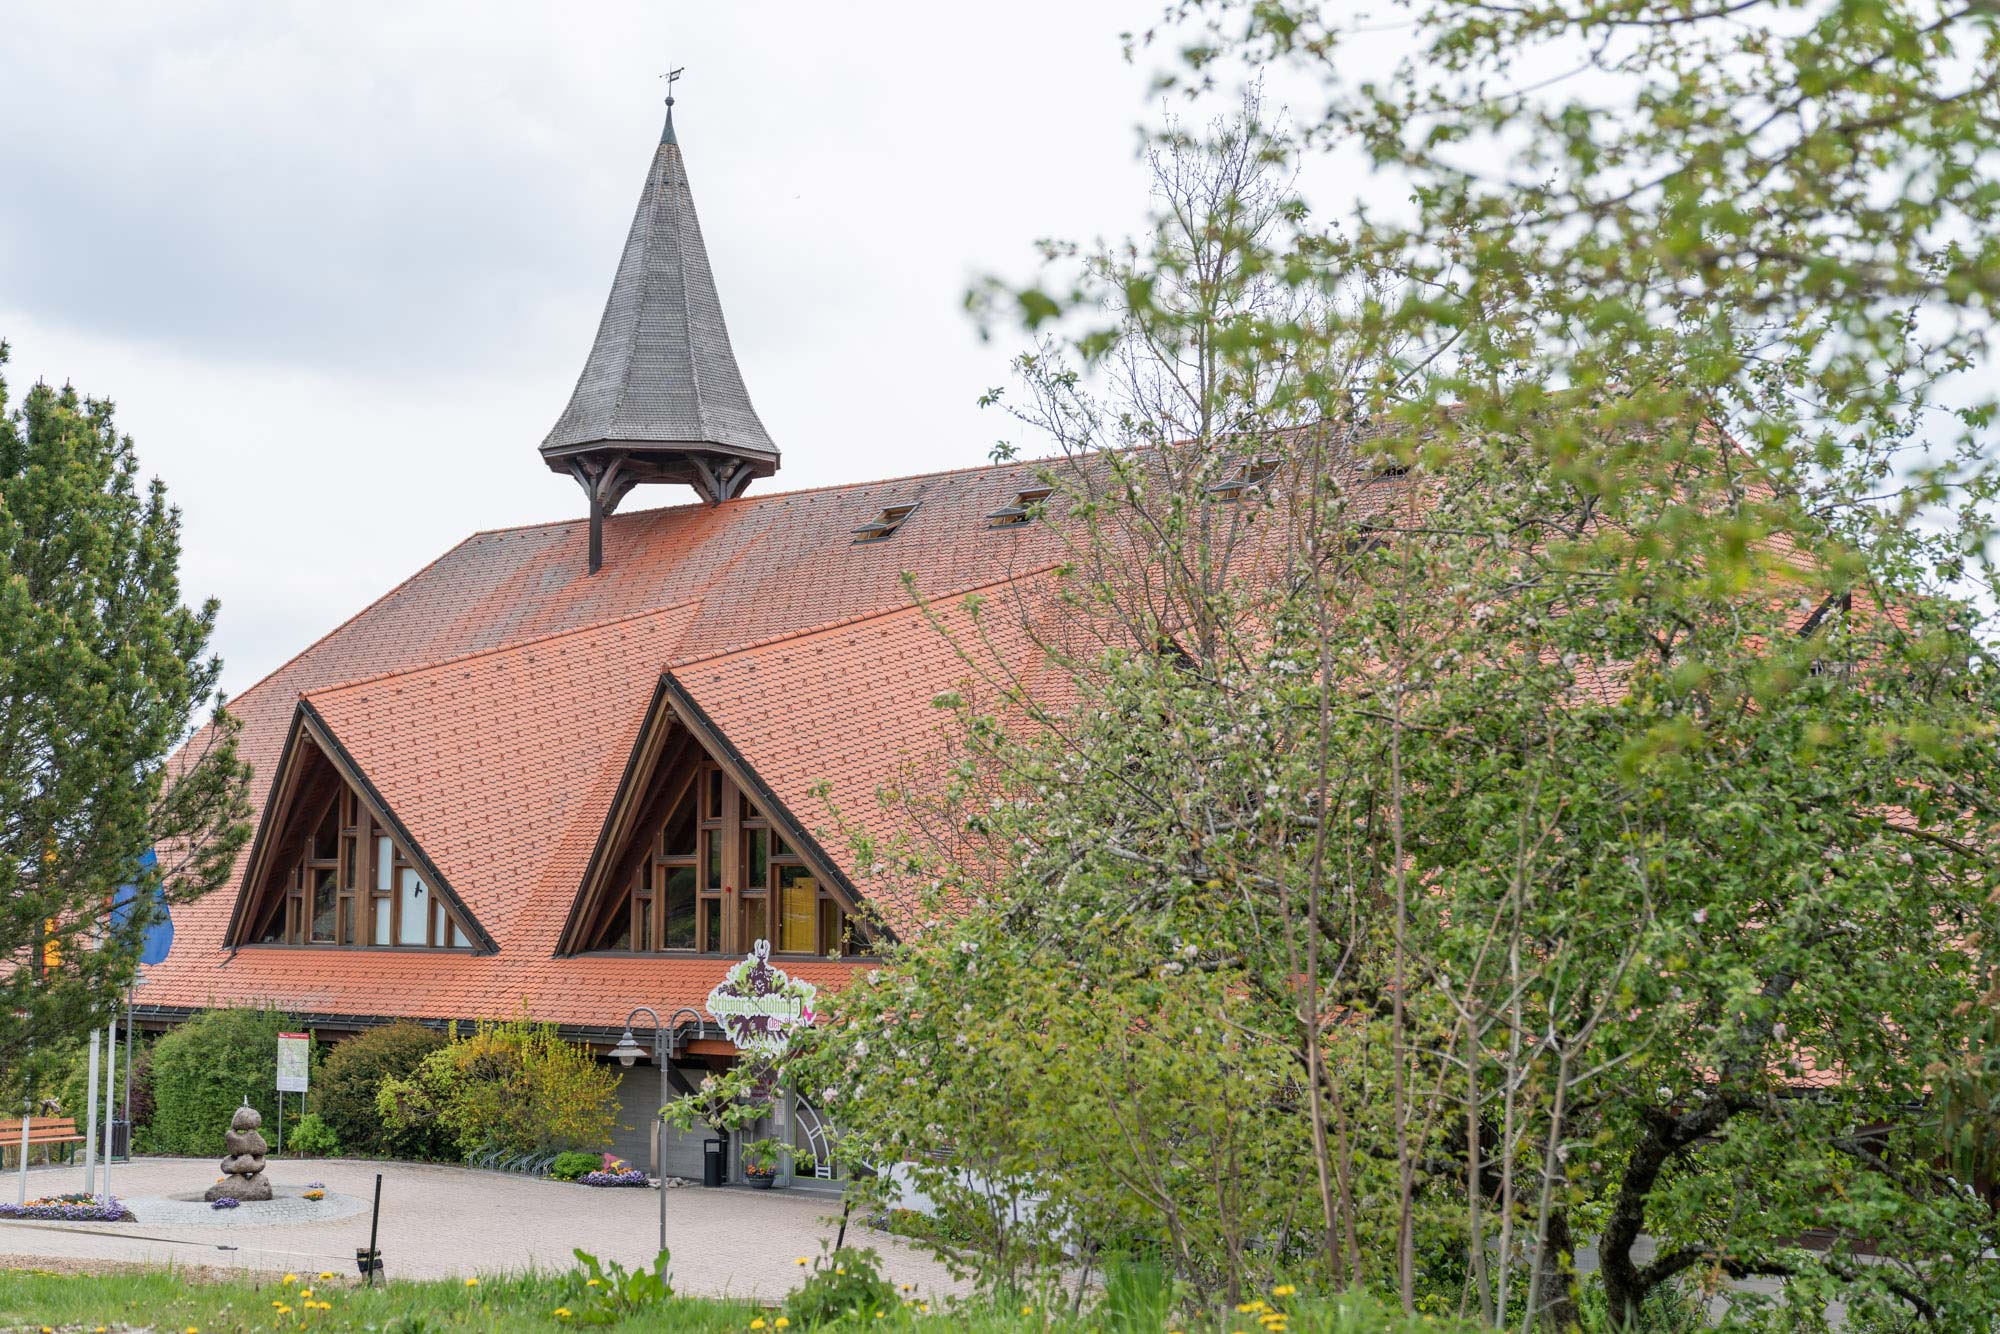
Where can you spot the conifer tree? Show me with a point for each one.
(104, 672)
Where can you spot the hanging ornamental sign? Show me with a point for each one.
(760, 1005)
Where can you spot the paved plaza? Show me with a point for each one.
(449, 1222)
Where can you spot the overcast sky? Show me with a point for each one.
(339, 265)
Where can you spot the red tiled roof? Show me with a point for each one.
(875, 681)
(492, 699)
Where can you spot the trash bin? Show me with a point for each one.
(714, 1161)
(121, 1139)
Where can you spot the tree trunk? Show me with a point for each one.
(1557, 1261)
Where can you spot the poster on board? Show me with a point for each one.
(293, 1051)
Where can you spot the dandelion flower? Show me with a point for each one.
(291, 1279)
(561, 1313)
(326, 1274)
(593, 1283)
(1283, 1290)
(472, 1283)
(758, 1323)
(305, 1292)
(1027, 1310)
(802, 1261)
(781, 1322)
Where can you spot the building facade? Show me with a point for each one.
(576, 768)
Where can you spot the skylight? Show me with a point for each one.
(1251, 476)
(1023, 509)
(885, 524)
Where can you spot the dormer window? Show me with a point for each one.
(1026, 505)
(884, 525)
(1251, 477)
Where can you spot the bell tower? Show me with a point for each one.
(660, 398)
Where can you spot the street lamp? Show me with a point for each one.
(629, 1051)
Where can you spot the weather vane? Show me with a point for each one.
(670, 76)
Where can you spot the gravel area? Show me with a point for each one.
(450, 1222)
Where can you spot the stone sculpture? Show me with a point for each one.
(243, 1170)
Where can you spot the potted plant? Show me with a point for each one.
(761, 1158)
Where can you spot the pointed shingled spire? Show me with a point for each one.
(660, 398)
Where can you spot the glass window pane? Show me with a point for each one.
(322, 905)
(416, 909)
(679, 896)
(749, 811)
(798, 910)
(385, 867)
(778, 848)
(326, 840)
(711, 926)
(756, 921)
(458, 937)
(714, 804)
(678, 838)
(829, 927)
(383, 906)
(642, 916)
(712, 870)
(756, 858)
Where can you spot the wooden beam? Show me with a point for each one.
(663, 799)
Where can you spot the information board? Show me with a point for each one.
(293, 1049)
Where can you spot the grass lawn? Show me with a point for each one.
(176, 1302)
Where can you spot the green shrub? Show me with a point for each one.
(344, 1089)
(844, 1284)
(205, 1069)
(571, 1165)
(310, 1138)
(514, 1087)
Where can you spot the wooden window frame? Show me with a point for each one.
(358, 901)
(725, 821)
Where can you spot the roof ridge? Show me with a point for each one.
(843, 622)
(761, 497)
(510, 646)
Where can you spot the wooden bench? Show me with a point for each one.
(47, 1131)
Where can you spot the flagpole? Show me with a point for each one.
(90, 1120)
(110, 1087)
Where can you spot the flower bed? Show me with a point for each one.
(71, 1209)
(633, 1178)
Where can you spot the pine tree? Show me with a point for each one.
(104, 673)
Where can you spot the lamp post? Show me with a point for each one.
(628, 1051)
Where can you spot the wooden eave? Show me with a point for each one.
(672, 709)
(307, 722)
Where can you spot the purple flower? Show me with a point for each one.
(226, 1202)
(70, 1209)
(634, 1178)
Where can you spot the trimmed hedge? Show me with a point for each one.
(344, 1089)
(203, 1071)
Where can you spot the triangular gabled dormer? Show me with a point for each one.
(332, 866)
(698, 856)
